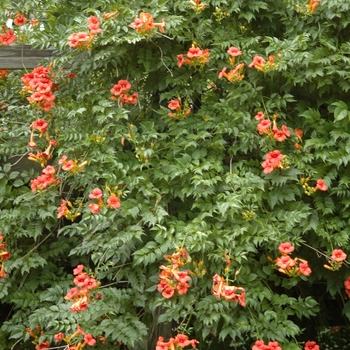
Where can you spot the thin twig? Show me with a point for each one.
(161, 58)
(13, 346)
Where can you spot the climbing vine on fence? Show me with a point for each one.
(177, 176)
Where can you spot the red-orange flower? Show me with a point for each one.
(19, 20)
(273, 160)
(8, 37)
(89, 339)
(320, 185)
(43, 345)
(94, 208)
(259, 116)
(145, 23)
(304, 268)
(264, 126)
(286, 248)
(174, 105)
(311, 345)
(79, 40)
(338, 255)
(258, 63)
(195, 57)
(40, 125)
(96, 193)
(234, 51)
(94, 25)
(113, 202)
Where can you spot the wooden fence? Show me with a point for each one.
(23, 56)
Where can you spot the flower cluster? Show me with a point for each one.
(264, 127)
(222, 290)
(35, 333)
(7, 37)
(311, 345)
(274, 160)
(287, 265)
(260, 345)
(310, 8)
(145, 23)
(180, 112)
(121, 93)
(71, 166)
(197, 5)
(40, 125)
(171, 278)
(83, 40)
(195, 57)
(112, 201)
(81, 294)
(39, 84)
(320, 186)
(313, 5)
(86, 339)
(235, 74)
(336, 260)
(67, 210)
(4, 255)
(45, 180)
(179, 342)
(259, 63)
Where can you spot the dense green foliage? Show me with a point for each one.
(195, 182)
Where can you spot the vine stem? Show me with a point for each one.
(325, 255)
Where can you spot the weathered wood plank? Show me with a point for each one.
(23, 56)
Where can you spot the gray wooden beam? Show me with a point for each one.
(23, 56)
